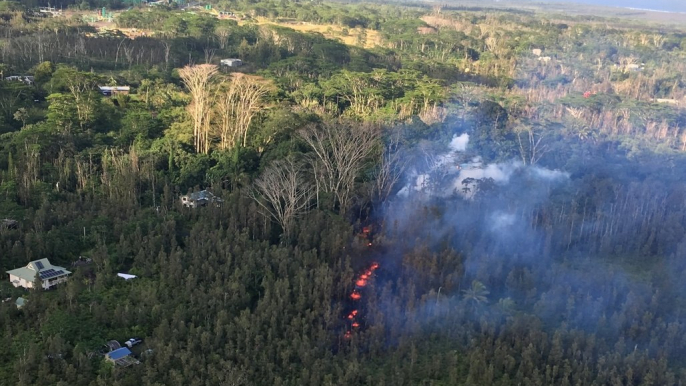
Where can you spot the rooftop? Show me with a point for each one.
(118, 353)
(204, 195)
(126, 276)
(44, 269)
(114, 88)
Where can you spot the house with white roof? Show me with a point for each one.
(231, 62)
(49, 275)
(114, 90)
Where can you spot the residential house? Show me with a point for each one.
(201, 198)
(231, 62)
(114, 90)
(673, 102)
(48, 274)
(8, 223)
(26, 79)
(121, 357)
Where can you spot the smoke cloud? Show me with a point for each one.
(455, 171)
(518, 229)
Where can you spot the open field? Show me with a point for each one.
(352, 37)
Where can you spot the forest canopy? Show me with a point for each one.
(402, 195)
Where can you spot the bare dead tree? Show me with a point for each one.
(167, 50)
(533, 147)
(30, 172)
(197, 80)
(468, 94)
(391, 166)
(209, 54)
(284, 192)
(237, 104)
(222, 31)
(128, 53)
(340, 151)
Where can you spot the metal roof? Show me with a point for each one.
(43, 267)
(119, 353)
(126, 276)
(204, 195)
(114, 88)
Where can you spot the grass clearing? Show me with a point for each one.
(362, 37)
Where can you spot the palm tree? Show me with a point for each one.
(476, 294)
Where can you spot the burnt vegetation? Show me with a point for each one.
(549, 249)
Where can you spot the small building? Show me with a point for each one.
(49, 275)
(112, 345)
(673, 102)
(8, 223)
(54, 12)
(545, 59)
(226, 15)
(126, 276)
(537, 51)
(114, 90)
(231, 62)
(121, 357)
(26, 79)
(201, 198)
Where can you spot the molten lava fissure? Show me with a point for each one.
(360, 283)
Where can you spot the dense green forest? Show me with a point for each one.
(517, 177)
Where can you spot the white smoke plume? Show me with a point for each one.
(444, 174)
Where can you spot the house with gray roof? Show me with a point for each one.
(201, 198)
(48, 274)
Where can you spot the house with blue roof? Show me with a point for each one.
(121, 357)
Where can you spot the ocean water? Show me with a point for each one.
(655, 5)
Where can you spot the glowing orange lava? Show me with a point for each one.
(360, 282)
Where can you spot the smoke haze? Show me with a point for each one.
(656, 5)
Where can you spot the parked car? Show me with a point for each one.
(132, 342)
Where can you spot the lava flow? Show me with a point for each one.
(360, 283)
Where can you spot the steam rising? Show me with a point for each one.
(454, 171)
